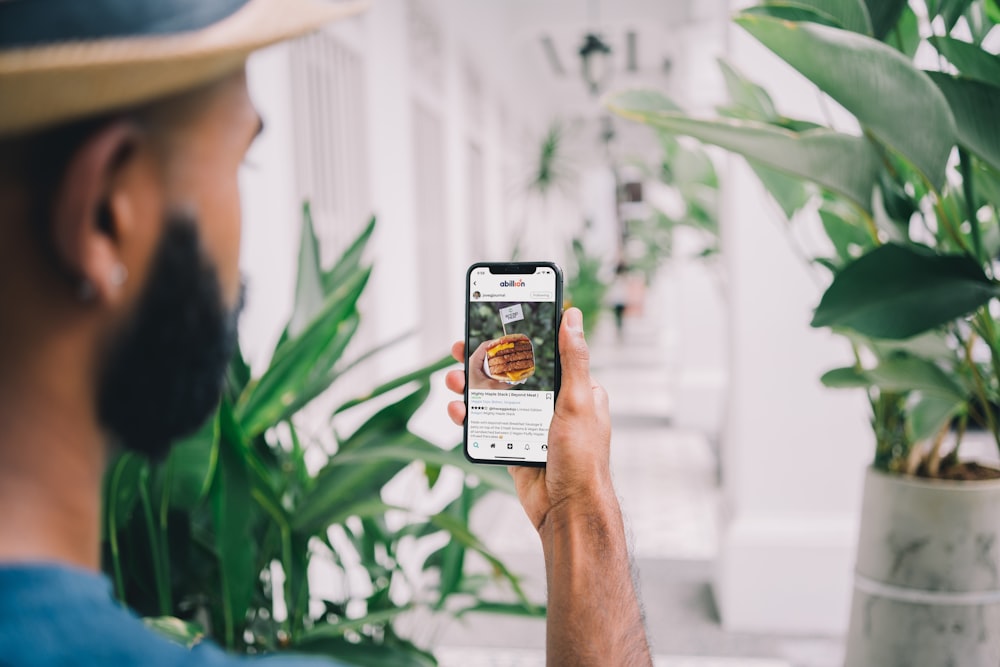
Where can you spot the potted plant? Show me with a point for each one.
(221, 538)
(909, 204)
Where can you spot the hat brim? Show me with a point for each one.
(46, 85)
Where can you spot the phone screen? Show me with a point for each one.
(512, 361)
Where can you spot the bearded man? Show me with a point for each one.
(123, 124)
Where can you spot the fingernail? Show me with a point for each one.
(574, 320)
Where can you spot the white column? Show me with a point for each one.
(393, 301)
(793, 453)
(271, 209)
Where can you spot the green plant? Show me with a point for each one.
(584, 287)
(550, 170)
(690, 173)
(221, 538)
(910, 205)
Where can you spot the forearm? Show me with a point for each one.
(593, 610)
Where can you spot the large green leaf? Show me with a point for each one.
(313, 284)
(420, 450)
(933, 345)
(348, 488)
(121, 495)
(315, 522)
(979, 22)
(993, 10)
(928, 415)
(848, 377)
(391, 419)
(237, 374)
(324, 373)
(314, 352)
(842, 163)
(900, 291)
(849, 14)
(796, 13)
(987, 183)
(231, 517)
(350, 261)
(904, 373)
(345, 481)
(691, 169)
(505, 608)
(747, 100)
(419, 375)
(185, 633)
(970, 60)
(976, 106)
(122, 490)
(891, 98)
(905, 36)
(848, 237)
(789, 192)
(949, 11)
(453, 553)
(336, 629)
(352, 480)
(460, 532)
(309, 293)
(191, 466)
(884, 15)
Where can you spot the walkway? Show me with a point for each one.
(666, 481)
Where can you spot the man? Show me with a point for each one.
(122, 127)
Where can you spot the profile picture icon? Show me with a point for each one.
(476, 294)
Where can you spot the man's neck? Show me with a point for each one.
(52, 459)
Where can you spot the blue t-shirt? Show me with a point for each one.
(53, 615)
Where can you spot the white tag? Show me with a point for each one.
(511, 314)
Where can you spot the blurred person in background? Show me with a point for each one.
(123, 124)
(617, 298)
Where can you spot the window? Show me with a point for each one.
(331, 152)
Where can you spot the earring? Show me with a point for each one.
(119, 274)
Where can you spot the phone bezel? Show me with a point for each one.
(511, 268)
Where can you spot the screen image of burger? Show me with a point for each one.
(522, 357)
(510, 358)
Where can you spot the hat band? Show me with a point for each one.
(26, 23)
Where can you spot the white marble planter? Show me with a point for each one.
(927, 592)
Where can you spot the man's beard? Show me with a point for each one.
(164, 371)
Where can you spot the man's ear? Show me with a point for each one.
(90, 211)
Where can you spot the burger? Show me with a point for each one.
(511, 359)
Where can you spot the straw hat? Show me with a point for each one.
(66, 59)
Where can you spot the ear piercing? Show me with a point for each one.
(85, 289)
(119, 274)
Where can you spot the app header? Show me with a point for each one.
(538, 286)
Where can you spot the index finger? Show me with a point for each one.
(458, 351)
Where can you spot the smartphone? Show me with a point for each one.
(512, 316)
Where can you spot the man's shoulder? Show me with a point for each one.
(52, 615)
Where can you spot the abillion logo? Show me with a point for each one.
(513, 283)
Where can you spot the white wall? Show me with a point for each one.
(472, 41)
(793, 452)
(271, 219)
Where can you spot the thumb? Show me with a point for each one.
(575, 393)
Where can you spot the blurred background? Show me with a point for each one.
(474, 131)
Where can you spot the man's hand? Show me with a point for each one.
(593, 611)
(577, 475)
